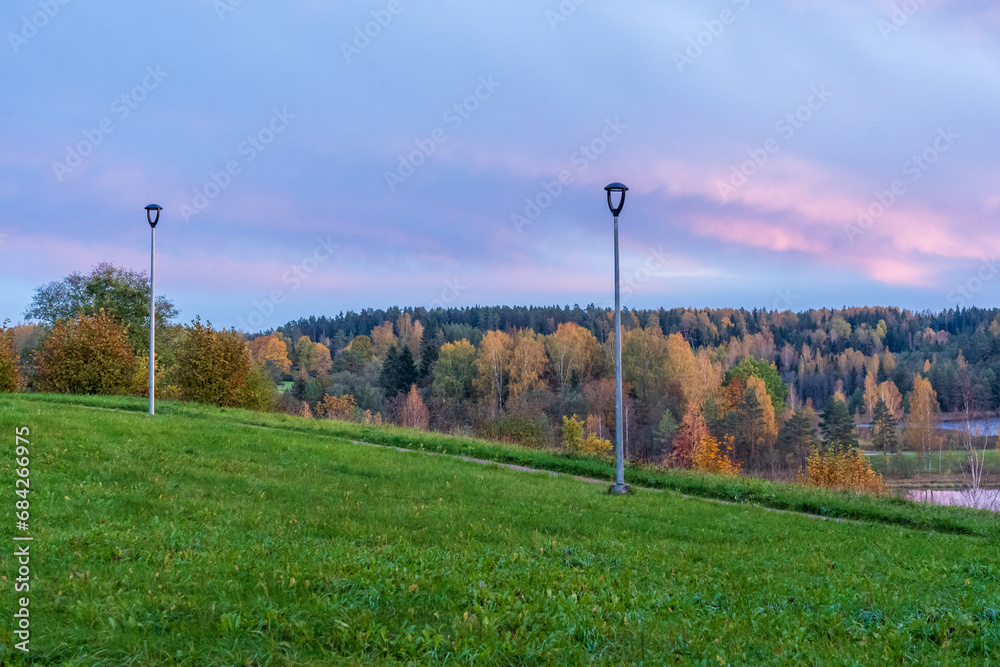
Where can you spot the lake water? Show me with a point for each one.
(986, 426)
(985, 499)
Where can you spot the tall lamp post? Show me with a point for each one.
(619, 487)
(152, 208)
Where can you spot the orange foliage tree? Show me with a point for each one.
(693, 429)
(415, 414)
(87, 355)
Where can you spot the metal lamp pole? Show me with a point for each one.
(152, 300)
(619, 487)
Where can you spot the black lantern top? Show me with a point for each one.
(616, 187)
(149, 214)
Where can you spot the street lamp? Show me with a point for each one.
(619, 487)
(152, 299)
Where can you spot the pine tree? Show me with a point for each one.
(398, 371)
(837, 427)
(883, 428)
(798, 435)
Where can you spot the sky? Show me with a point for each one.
(317, 157)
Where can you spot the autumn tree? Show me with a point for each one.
(690, 378)
(411, 334)
(319, 359)
(527, 363)
(217, 368)
(493, 362)
(455, 371)
(10, 376)
(271, 353)
(87, 355)
(693, 428)
(573, 351)
(382, 338)
(886, 392)
(644, 360)
(921, 429)
(336, 407)
(766, 371)
(414, 413)
(709, 455)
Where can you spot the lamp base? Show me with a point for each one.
(618, 489)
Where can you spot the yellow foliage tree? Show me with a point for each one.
(921, 429)
(842, 469)
(337, 407)
(382, 339)
(710, 455)
(576, 440)
(644, 360)
(527, 363)
(270, 349)
(493, 366)
(572, 348)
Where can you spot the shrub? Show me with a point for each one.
(334, 407)
(575, 440)
(216, 368)
(518, 429)
(87, 355)
(10, 376)
(848, 469)
(711, 456)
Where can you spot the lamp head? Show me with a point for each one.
(149, 214)
(620, 188)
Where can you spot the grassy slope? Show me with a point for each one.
(176, 540)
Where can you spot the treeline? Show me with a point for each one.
(817, 352)
(721, 389)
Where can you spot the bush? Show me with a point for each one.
(710, 456)
(848, 469)
(87, 355)
(216, 368)
(590, 444)
(10, 377)
(517, 429)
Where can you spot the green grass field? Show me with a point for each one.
(221, 537)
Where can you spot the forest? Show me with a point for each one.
(765, 387)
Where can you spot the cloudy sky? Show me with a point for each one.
(314, 157)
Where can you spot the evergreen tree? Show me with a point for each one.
(837, 427)
(798, 435)
(427, 358)
(883, 428)
(398, 371)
